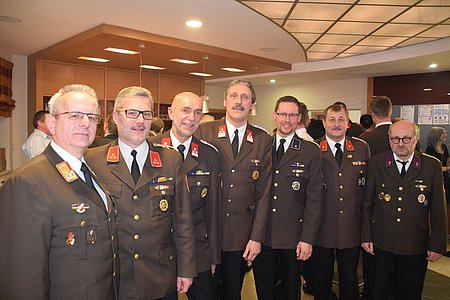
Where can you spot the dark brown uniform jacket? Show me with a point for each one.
(246, 183)
(202, 169)
(378, 139)
(405, 216)
(343, 194)
(57, 239)
(296, 195)
(151, 255)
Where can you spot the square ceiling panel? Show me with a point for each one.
(365, 49)
(307, 26)
(315, 56)
(424, 15)
(327, 48)
(439, 31)
(401, 29)
(362, 28)
(387, 41)
(414, 41)
(270, 9)
(306, 37)
(373, 13)
(340, 39)
(310, 11)
(388, 2)
(434, 2)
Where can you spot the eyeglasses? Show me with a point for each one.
(134, 114)
(286, 115)
(405, 140)
(78, 116)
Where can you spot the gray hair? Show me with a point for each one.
(55, 100)
(132, 91)
(243, 82)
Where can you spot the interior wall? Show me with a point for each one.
(316, 95)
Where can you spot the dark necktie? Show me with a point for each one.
(338, 155)
(135, 173)
(87, 176)
(403, 171)
(235, 143)
(280, 150)
(181, 148)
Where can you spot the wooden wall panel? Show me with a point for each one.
(57, 75)
(150, 82)
(117, 80)
(93, 77)
(168, 88)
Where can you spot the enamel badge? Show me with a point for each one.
(165, 141)
(66, 171)
(163, 205)
(80, 207)
(113, 154)
(222, 131)
(194, 149)
(70, 239)
(155, 159)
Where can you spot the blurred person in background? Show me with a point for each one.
(40, 138)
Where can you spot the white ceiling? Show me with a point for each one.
(227, 24)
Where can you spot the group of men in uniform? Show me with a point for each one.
(147, 218)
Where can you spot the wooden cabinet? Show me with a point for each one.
(116, 80)
(55, 76)
(93, 77)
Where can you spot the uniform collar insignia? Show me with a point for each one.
(295, 144)
(113, 154)
(155, 160)
(389, 160)
(323, 145)
(349, 145)
(194, 149)
(416, 162)
(222, 131)
(166, 141)
(249, 136)
(66, 172)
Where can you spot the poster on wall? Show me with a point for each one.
(425, 115)
(440, 114)
(407, 112)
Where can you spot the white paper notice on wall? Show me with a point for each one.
(440, 114)
(407, 112)
(425, 115)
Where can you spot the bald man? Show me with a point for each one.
(201, 165)
(404, 222)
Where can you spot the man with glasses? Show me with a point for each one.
(58, 229)
(404, 222)
(344, 175)
(157, 243)
(201, 166)
(246, 169)
(295, 206)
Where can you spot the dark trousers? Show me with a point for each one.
(367, 263)
(202, 288)
(231, 273)
(171, 296)
(323, 264)
(266, 267)
(399, 275)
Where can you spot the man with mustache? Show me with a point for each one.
(246, 169)
(201, 166)
(156, 232)
(344, 175)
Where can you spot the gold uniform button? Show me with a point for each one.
(171, 257)
(341, 187)
(228, 215)
(341, 199)
(114, 273)
(277, 172)
(275, 184)
(231, 185)
(136, 236)
(399, 209)
(341, 211)
(339, 174)
(83, 223)
(399, 220)
(301, 220)
(233, 170)
(112, 237)
(400, 188)
(136, 217)
(199, 183)
(229, 200)
(109, 219)
(274, 209)
(136, 256)
(135, 197)
(400, 198)
(114, 255)
(275, 197)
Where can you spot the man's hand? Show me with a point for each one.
(213, 269)
(433, 256)
(183, 284)
(368, 246)
(304, 250)
(251, 250)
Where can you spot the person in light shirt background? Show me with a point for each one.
(41, 136)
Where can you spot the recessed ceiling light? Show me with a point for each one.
(96, 59)
(194, 23)
(200, 74)
(427, 89)
(184, 61)
(122, 51)
(272, 81)
(9, 19)
(151, 67)
(233, 70)
(269, 49)
(432, 66)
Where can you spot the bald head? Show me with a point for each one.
(403, 138)
(185, 113)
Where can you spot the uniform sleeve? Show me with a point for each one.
(438, 219)
(25, 237)
(262, 193)
(368, 204)
(214, 212)
(184, 228)
(314, 203)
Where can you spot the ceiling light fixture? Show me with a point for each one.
(427, 89)
(121, 51)
(184, 61)
(201, 74)
(151, 67)
(432, 66)
(194, 23)
(96, 59)
(236, 70)
(272, 81)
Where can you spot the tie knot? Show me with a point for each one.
(84, 168)
(338, 145)
(282, 141)
(181, 148)
(133, 153)
(402, 162)
(236, 132)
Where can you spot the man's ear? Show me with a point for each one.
(50, 122)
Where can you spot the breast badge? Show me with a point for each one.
(80, 207)
(163, 205)
(255, 175)
(91, 237)
(204, 192)
(295, 185)
(70, 240)
(387, 197)
(421, 198)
